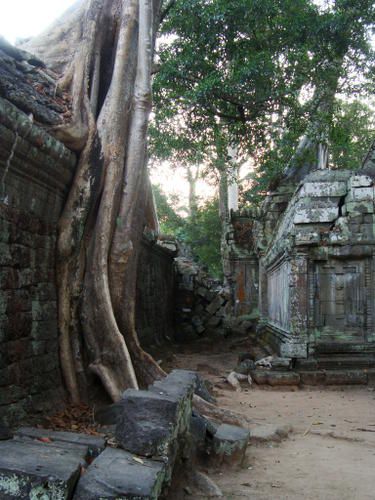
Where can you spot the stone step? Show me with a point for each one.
(334, 377)
(312, 377)
(341, 348)
(345, 362)
(33, 469)
(118, 474)
(275, 378)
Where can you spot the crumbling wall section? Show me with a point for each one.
(155, 298)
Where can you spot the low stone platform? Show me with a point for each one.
(310, 376)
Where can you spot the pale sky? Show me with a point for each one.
(25, 18)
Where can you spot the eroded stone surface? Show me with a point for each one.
(117, 474)
(36, 470)
(229, 444)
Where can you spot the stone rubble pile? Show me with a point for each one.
(202, 302)
(156, 433)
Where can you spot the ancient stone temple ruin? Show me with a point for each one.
(305, 260)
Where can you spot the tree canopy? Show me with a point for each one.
(257, 73)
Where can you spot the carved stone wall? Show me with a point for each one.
(35, 174)
(320, 293)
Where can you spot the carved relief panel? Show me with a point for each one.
(341, 300)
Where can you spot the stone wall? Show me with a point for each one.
(35, 174)
(155, 294)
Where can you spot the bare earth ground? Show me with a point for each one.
(330, 453)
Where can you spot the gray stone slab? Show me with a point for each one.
(359, 181)
(36, 470)
(94, 444)
(149, 423)
(306, 216)
(275, 378)
(320, 189)
(346, 377)
(178, 383)
(359, 207)
(117, 474)
(313, 377)
(360, 194)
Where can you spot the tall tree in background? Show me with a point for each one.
(342, 56)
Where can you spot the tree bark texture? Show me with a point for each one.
(108, 74)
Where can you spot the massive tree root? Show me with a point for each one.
(108, 76)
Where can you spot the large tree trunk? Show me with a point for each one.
(100, 230)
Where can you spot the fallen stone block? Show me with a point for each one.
(202, 391)
(338, 377)
(215, 304)
(148, 426)
(37, 470)
(117, 474)
(268, 432)
(229, 444)
(94, 444)
(179, 383)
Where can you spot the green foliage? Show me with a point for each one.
(170, 222)
(231, 65)
(352, 133)
(200, 233)
(233, 71)
(203, 236)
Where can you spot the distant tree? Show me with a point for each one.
(203, 235)
(171, 223)
(201, 232)
(351, 134)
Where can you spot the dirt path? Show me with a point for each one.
(330, 453)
